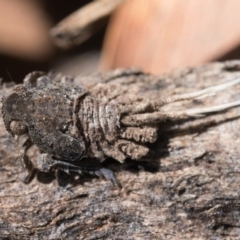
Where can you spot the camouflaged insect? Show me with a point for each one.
(68, 123)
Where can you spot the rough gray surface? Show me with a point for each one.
(188, 187)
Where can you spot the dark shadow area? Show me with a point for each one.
(45, 177)
(58, 10)
(63, 178)
(15, 69)
(231, 55)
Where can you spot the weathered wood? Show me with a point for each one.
(188, 188)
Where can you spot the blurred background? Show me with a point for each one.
(156, 35)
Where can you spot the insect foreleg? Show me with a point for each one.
(28, 165)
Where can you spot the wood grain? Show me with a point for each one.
(188, 187)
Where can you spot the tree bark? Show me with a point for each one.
(187, 187)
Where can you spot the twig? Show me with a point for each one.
(83, 23)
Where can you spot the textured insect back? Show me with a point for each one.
(100, 126)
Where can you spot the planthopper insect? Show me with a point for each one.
(69, 123)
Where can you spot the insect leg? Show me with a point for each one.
(157, 117)
(149, 118)
(195, 112)
(136, 106)
(140, 107)
(142, 135)
(46, 163)
(199, 94)
(28, 165)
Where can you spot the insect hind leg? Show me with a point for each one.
(46, 163)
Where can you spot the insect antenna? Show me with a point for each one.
(210, 91)
(9, 74)
(151, 112)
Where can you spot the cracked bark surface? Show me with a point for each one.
(187, 187)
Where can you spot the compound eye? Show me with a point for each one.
(17, 128)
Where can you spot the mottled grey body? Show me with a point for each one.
(68, 123)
